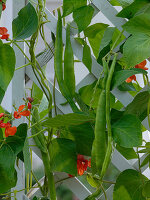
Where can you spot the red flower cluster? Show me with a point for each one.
(3, 32)
(82, 165)
(3, 5)
(21, 112)
(8, 129)
(142, 66)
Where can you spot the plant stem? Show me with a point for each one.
(23, 66)
(49, 174)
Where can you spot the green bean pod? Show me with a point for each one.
(108, 119)
(58, 55)
(100, 135)
(39, 139)
(69, 76)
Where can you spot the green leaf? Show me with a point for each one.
(145, 161)
(86, 94)
(94, 29)
(135, 25)
(7, 67)
(83, 17)
(71, 5)
(87, 59)
(8, 152)
(129, 186)
(67, 120)
(83, 135)
(128, 153)
(80, 40)
(120, 76)
(63, 156)
(146, 190)
(26, 23)
(125, 3)
(127, 131)
(126, 87)
(1, 9)
(37, 94)
(136, 49)
(138, 106)
(95, 34)
(130, 11)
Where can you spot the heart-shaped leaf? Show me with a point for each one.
(26, 23)
(127, 131)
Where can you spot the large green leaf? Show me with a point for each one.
(7, 67)
(8, 152)
(129, 186)
(26, 23)
(63, 156)
(120, 76)
(83, 135)
(83, 17)
(139, 104)
(71, 5)
(130, 11)
(95, 34)
(135, 25)
(127, 131)
(136, 49)
(67, 120)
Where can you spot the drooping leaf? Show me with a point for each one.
(128, 153)
(63, 156)
(83, 135)
(120, 76)
(87, 59)
(125, 3)
(26, 23)
(127, 131)
(71, 5)
(7, 67)
(83, 16)
(67, 120)
(129, 186)
(145, 161)
(138, 106)
(130, 11)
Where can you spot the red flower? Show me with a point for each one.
(18, 114)
(10, 131)
(142, 65)
(131, 78)
(3, 32)
(82, 164)
(3, 6)
(29, 105)
(1, 115)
